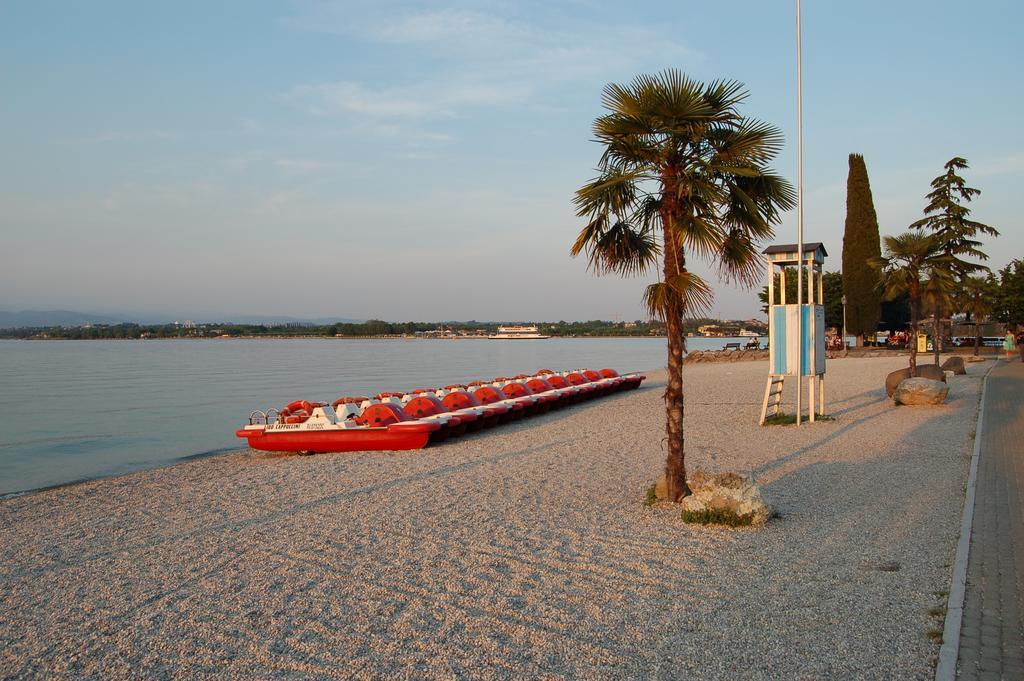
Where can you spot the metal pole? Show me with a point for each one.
(799, 222)
(844, 322)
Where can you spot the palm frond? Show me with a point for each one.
(739, 260)
(749, 142)
(701, 234)
(619, 247)
(687, 291)
(614, 192)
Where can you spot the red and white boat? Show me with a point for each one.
(394, 420)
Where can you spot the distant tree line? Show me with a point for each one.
(373, 328)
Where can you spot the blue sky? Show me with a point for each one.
(417, 160)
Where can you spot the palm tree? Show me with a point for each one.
(682, 173)
(975, 296)
(905, 259)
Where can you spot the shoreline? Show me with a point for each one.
(322, 337)
(180, 461)
(722, 359)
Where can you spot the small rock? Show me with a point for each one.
(921, 391)
(661, 489)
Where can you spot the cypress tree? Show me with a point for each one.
(860, 244)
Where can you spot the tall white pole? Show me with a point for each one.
(799, 222)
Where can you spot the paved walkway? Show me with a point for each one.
(992, 633)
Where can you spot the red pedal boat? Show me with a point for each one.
(395, 420)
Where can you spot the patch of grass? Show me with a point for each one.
(783, 419)
(938, 611)
(651, 497)
(935, 635)
(718, 517)
(942, 594)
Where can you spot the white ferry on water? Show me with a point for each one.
(517, 332)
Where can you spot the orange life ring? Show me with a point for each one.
(348, 400)
(299, 405)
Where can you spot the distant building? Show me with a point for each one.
(711, 330)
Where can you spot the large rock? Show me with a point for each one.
(923, 371)
(921, 391)
(727, 493)
(955, 364)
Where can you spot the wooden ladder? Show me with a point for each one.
(772, 397)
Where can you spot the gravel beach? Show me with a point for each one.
(520, 552)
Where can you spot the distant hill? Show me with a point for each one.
(270, 320)
(39, 318)
(26, 318)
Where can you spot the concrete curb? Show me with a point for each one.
(945, 670)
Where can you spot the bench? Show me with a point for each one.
(732, 346)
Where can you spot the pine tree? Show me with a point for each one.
(946, 217)
(860, 244)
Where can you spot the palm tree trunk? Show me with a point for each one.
(674, 264)
(675, 460)
(936, 333)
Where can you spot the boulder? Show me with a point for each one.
(921, 391)
(923, 371)
(726, 493)
(955, 364)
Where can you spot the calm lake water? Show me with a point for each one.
(84, 409)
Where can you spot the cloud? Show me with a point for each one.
(458, 59)
(129, 136)
(445, 25)
(343, 97)
(303, 166)
(427, 100)
(276, 201)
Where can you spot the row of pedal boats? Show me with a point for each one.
(412, 420)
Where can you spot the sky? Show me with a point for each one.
(417, 161)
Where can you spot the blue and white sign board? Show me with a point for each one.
(783, 360)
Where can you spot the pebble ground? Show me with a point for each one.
(522, 552)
